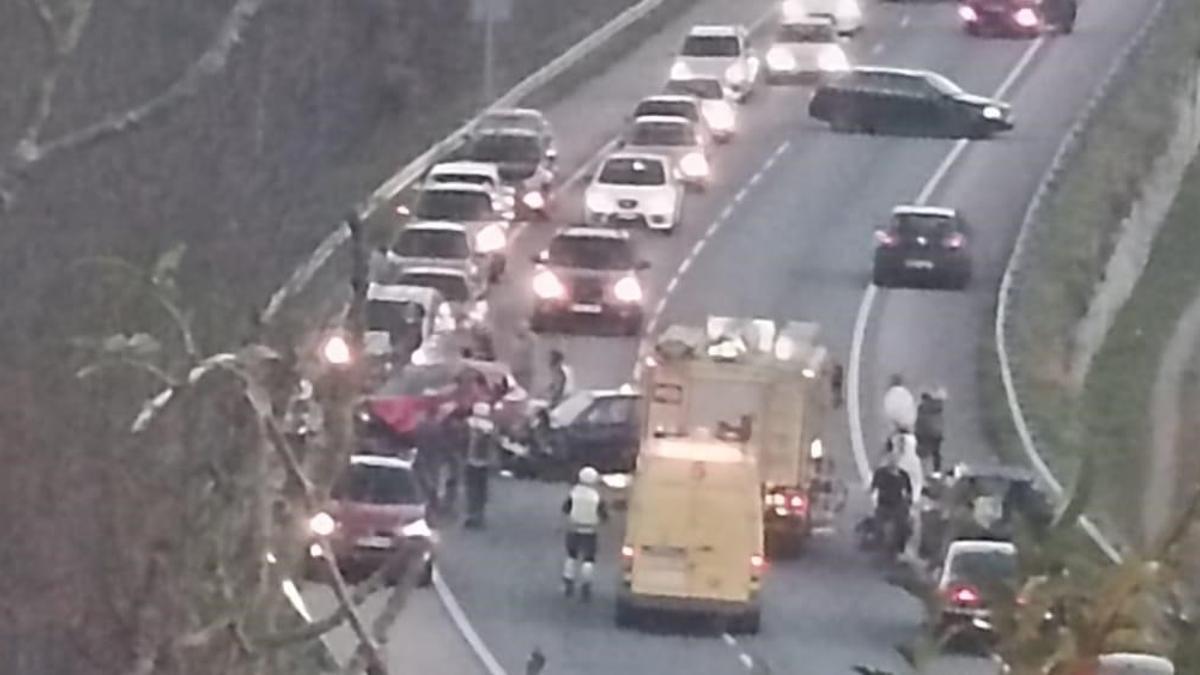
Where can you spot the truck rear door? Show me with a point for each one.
(722, 531)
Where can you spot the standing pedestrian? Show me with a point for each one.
(481, 455)
(585, 510)
(562, 380)
(930, 427)
(899, 407)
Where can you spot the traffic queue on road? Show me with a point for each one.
(439, 391)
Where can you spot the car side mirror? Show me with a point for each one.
(643, 264)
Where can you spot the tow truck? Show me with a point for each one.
(764, 386)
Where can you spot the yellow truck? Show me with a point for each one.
(693, 534)
(764, 386)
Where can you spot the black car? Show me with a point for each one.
(922, 245)
(1017, 18)
(526, 160)
(906, 102)
(597, 428)
(588, 273)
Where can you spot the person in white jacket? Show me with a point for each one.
(585, 510)
(899, 406)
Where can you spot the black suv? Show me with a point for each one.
(588, 272)
(922, 245)
(906, 102)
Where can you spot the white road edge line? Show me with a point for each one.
(459, 617)
(862, 319)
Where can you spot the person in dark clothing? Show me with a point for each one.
(893, 500)
(1061, 14)
(930, 427)
(561, 384)
(481, 454)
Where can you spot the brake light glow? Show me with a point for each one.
(1026, 18)
(967, 13)
(757, 562)
(965, 596)
(797, 503)
(885, 238)
(627, 552)
(954, 241)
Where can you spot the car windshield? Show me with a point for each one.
(983, 566)
(394, 317)
(593, 253)
(448, 244)
(452, 286)
(472, 178)
(456, 205)
(570, 409)
(911, 226)
(943, 85)
(667, 108)
(662, 133)
(506, 148)
(372, 484)
(795, 33)
(711, 45)
(705, 88)
(510, 120)
(633, 172)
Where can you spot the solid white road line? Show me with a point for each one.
(459, 617)
(862, 319)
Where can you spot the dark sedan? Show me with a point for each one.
(922, 245)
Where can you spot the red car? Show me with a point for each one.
(377, 514)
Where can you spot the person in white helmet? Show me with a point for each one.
(481, 455)
(899, 406)
(585, 510)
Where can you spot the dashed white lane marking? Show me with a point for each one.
(747, 660)
(905, 20)
(741, 194)
(858, 340)
(729, 640)
(755, 178)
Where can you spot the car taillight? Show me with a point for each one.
(627, 558)
(884, 238)
(964, 596)
(797, 504)
(757, 563)
(955, 240)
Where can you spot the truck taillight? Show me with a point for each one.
(757, 563)
(627, 558)
(797, 504)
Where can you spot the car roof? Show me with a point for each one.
(523, 112)
(436, 270)
(583, 231)
(714, 30)
(663, 119)
(914, 210)
(435, 225)
(383, 461)
(809, 20)
(638, 156)
(465, 166)
(980, 546)
(507, 131)
(456, 187)
(887, 70)
(672, 98)
(401, 293)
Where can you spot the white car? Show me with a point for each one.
(466, 307)
(676, 138)
(636, 189)
(401, 318)
(677, 105)
(847, 15)
(476, 173)
(471, 205)
(806, 51)
(716, 103)
(719, 51)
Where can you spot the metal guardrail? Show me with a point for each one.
(1065, 152)
(407, 174)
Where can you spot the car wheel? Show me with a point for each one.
(626, 615)
(426, 579)
(880, 277)
(971, 29)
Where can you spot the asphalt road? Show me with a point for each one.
(785, 232)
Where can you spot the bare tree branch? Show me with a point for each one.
(63, 43)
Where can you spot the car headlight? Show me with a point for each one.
(417, 529)
(322, 524)
(628, 290)
(780, 58)
(680, 70)
(479, 311)
(833, 60)
(694, 165)
(316, 551)
(720, 116)
(597, 202)
(1026, 17)
(534, 200)
(547, 286)
(793, 10)
(967, 13)
(490, 239)
(736, 73)
(991, 112)
(419, 357)
(445, 321)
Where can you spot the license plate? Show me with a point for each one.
(919, 264)
(626, 216)
(374, 542)
(586, 308)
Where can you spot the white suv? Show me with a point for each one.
(719, 51)
(635, 189)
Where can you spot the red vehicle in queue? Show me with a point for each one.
(1017, 18)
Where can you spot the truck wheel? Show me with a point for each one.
(626, 616)
(880, 277)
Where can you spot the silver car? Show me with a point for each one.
(472, 206)
(805, 51)
(719, 51)
(716, 102)
(436, 243)
(676, 138)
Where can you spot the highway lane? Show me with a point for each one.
(829, 610)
